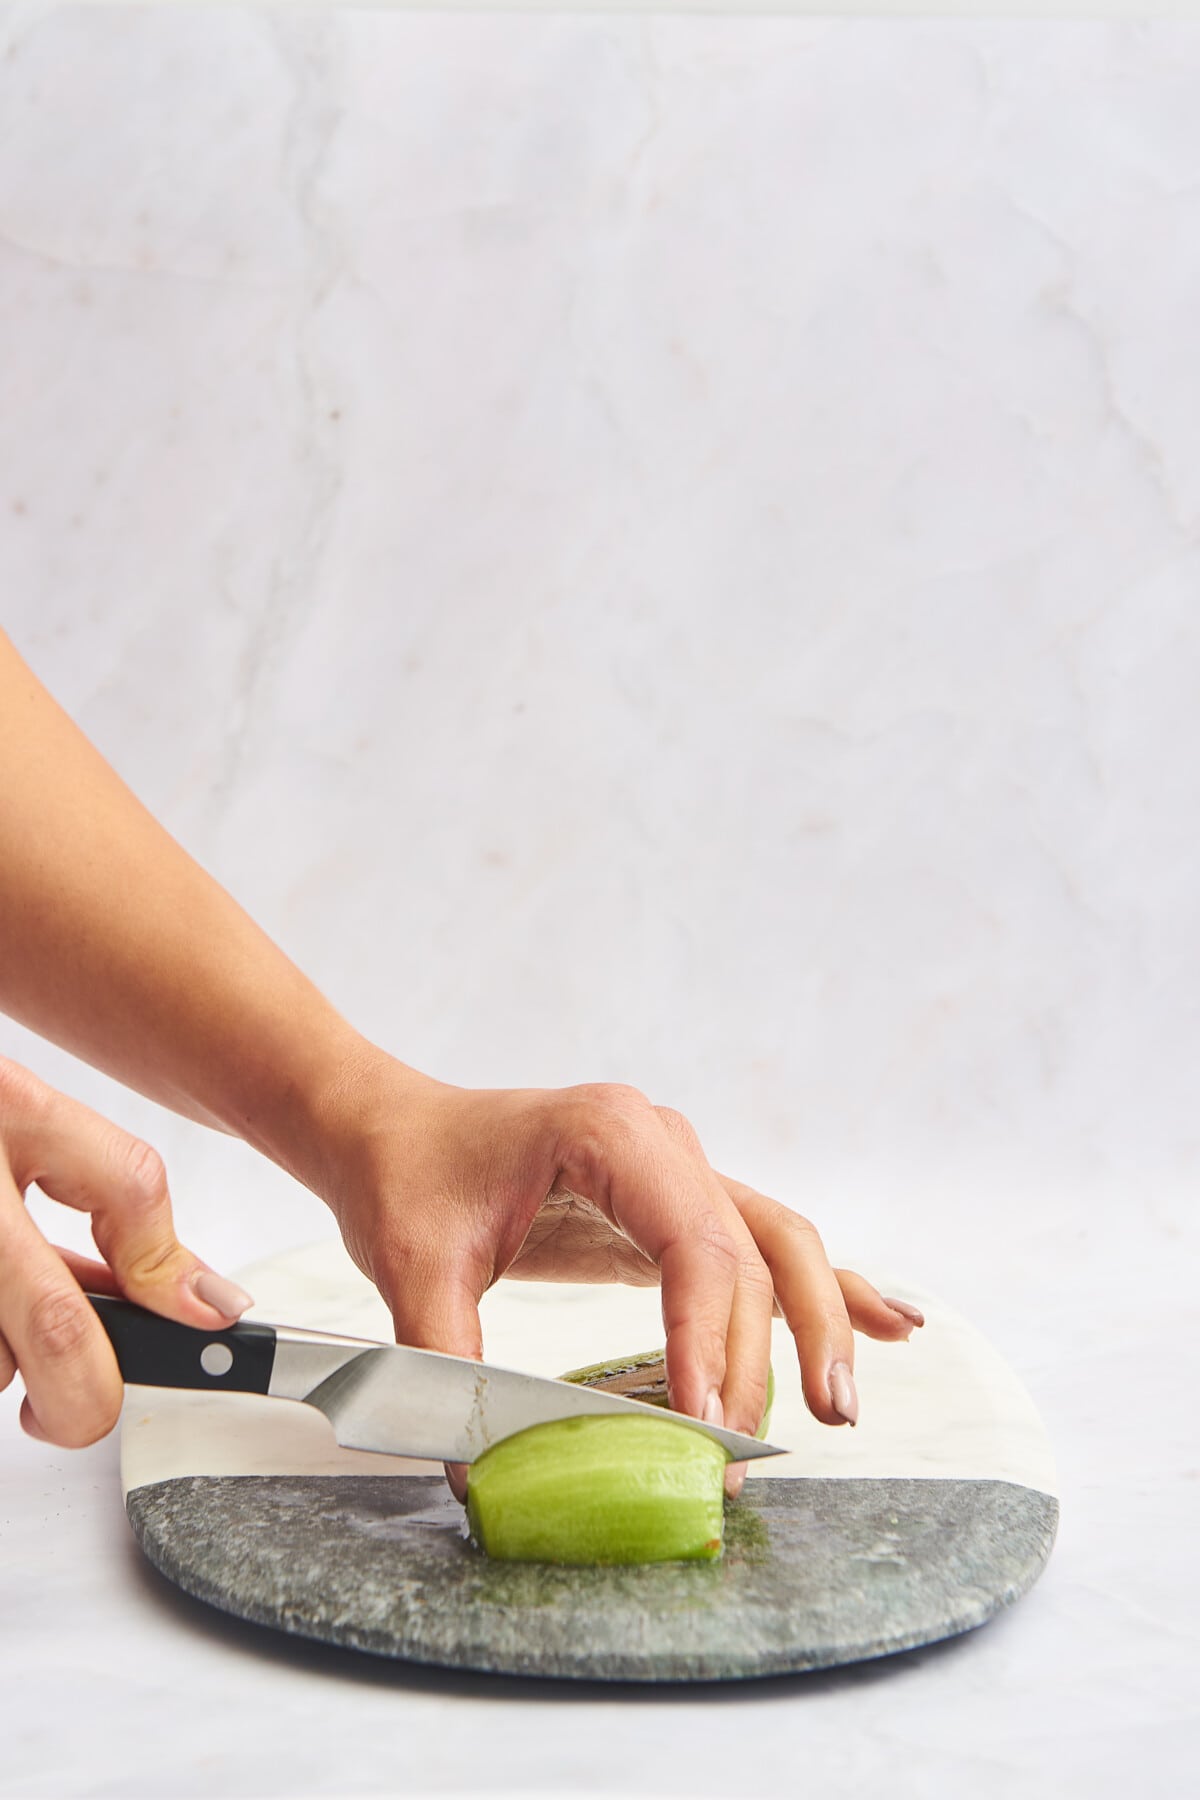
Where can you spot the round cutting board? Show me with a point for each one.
(937, 1511)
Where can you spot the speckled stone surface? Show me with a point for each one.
(815, 1573)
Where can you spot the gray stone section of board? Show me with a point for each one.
(815, 1573)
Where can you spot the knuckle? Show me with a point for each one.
(615, 1100)
(681, 1129)
(801, 1230)
(835, 1323)
(758, 1386)
(23, 1097)
(755, 1277)
(155, 1265)
(620, 1094)
(720, 1245)
(746, 1411)
(142, 1173)
(603, 1120)
(59, 1324)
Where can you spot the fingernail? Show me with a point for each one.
(843, 1392)
(905, 1310)
(225, 1297)
(714, 1412)
(735, 1476)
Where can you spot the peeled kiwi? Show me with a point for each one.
(608, 1489)
(613, 1489)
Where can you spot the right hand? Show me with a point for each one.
(440, 1190)
(47, 1329)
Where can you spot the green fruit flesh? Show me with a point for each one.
(599, 1490)
(766, 1418)
(606, 1490)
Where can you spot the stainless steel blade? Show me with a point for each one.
(407, 1402)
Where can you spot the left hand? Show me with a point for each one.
(48, 1331)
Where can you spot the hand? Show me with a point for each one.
(120, 948)
(47, 1329)
(440, 1190)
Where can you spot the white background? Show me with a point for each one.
(664, 550)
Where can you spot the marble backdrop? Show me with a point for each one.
(663, 550)
(666, 549)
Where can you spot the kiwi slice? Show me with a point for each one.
(640, 1377)
(644, 1377)
(615, 1489)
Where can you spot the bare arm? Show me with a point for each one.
(117, 945)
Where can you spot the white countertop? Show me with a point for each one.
(660, 549)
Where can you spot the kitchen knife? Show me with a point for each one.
(386, 1397)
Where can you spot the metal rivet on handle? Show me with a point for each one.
(216, 1359)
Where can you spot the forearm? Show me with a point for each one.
(115, 944)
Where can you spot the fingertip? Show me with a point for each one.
(825, 1404)
(735, 1479)
(696, 1372)
(843, 1394)
(29, 1423)
(822, 1411)
(70, 1436)
(912, 1315)
(194, 1295)
(221, 1296)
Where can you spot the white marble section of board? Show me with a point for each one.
(945, 1404)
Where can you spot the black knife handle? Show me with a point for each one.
(156, 1352)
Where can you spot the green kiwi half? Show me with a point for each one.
(616, 1489)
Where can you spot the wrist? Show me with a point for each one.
(320, 1122)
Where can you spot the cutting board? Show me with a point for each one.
(936, 1512)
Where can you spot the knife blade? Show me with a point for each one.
(386, 1397)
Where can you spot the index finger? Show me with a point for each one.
(811, 1300)
(88, 1163)
(622, 1157)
